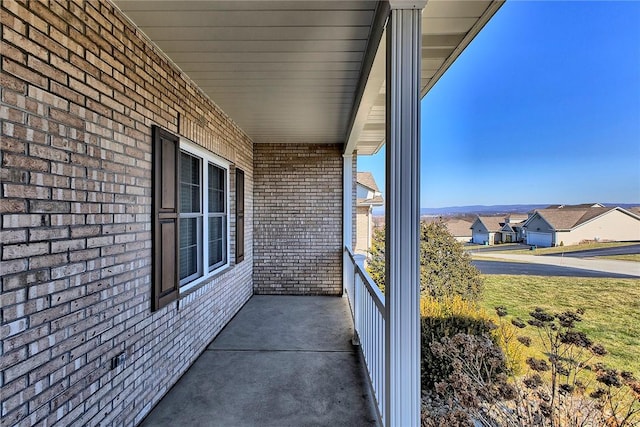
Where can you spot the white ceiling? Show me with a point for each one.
(288, 71)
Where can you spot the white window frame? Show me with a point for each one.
(206, 157)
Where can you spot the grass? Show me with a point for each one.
(628, 257)
(479, 248)
(612, 308)
(480, 257)
(572, 248)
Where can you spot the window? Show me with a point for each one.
(190, 216)
(217, 217)
(203, 214)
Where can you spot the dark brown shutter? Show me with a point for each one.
(239, 215)
(164, 227)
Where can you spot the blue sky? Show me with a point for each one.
(542, 107)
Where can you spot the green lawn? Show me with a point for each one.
(612, 308)
(628, 257)
(480, 257)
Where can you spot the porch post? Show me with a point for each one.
(402, 326)
(347, 213)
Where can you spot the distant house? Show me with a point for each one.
(570, 225)
(368, 196)
(459, 228)
(487, 230)
(513, 231)
(509, 233)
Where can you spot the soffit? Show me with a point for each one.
(289, 71)
(285, 71)
(448, 26)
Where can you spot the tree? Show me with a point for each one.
(375, 265)
(445, 269)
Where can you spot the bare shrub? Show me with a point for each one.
(565, 388)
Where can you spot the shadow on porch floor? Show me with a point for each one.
(281, 361)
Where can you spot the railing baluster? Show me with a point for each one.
(367, 308)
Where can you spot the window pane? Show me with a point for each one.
(188, 247)
(217, 238)
(189, 183)
(216, 189)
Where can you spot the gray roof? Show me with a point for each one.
(567, 218)
(492, 223)
(366, 179)
(458, 227)
(517, 218)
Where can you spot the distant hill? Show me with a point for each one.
(480, 209)
(490, 210)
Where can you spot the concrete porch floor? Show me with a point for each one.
(281, 361)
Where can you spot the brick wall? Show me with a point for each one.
(80, 89)
(298, 219)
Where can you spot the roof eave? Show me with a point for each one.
(473, 32)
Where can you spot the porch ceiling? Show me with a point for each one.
(448, 26)
(289, 71)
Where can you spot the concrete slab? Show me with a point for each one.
(282, 361)
(287, 322)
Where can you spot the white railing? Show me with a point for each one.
(367, 308)
(349, 277)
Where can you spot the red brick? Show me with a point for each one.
(25, 43)
(10, 82)
(12, 206)
(52, 45)
(24, 73)
(12, 52)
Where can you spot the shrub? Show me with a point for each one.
(473, 383)
(557, 389)
(445, 268)
(376, 261)
(441, 320)
(478, 378)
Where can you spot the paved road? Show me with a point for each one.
(614, 268)
(473, 248)
(622, 250)
(529, 269)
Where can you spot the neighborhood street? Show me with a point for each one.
(529, 269)
(622, 250)
(557, 266)
(474, 249)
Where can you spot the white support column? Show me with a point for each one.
(347, 213)
(402, 326)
